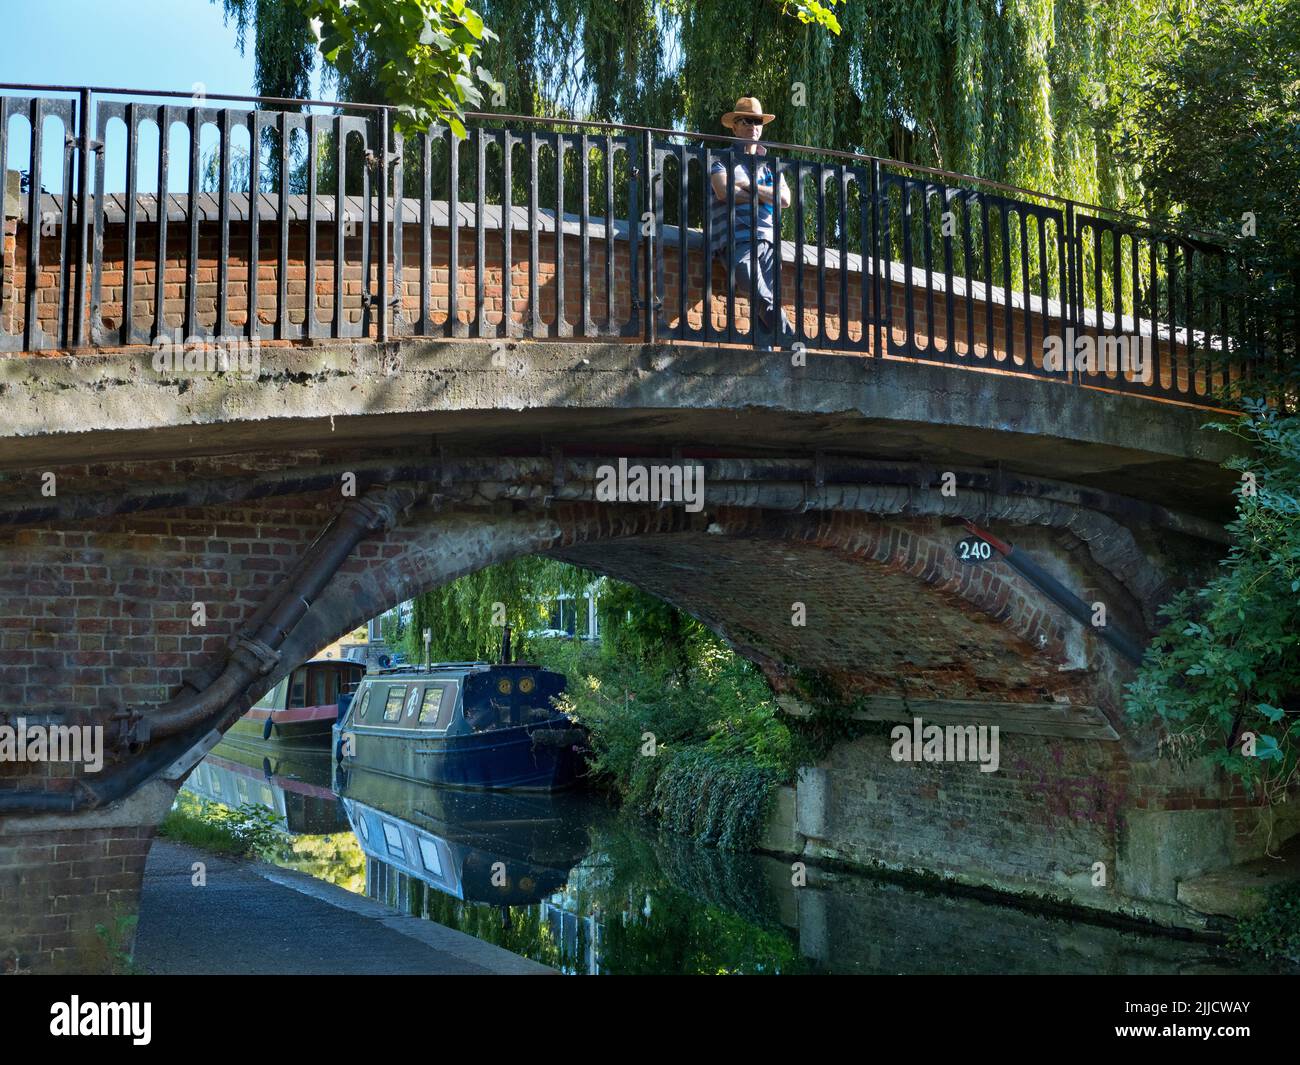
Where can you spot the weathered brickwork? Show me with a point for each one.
(68, 896)
(1038, 825)
(1051, 810)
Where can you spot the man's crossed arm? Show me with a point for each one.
(764, 193)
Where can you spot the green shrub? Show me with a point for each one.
(1275, 931)
(700, 748)
(1227, 661)
(719, 799)
(246, 830)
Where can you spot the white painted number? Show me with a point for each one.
(974, 551)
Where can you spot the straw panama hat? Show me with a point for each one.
(746, 107)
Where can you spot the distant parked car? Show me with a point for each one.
(558, 634)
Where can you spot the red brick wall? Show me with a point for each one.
(57, 886)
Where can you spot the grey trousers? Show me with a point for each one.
(764, 260)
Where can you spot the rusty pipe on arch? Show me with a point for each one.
(256, 651)
(254, 654)
(1058, 593)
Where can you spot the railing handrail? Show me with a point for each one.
(1167, 224)
(1069, 254)
(178, 94)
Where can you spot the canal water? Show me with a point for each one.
(570, 882)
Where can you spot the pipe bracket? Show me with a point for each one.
(375, 513)
(257, 655)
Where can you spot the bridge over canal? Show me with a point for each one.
(397, 409)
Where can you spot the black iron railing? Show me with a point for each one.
(431, 236)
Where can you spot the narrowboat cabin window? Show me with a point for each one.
(393, 707)
(429, 855)
(327, 682)
(298, 692)
(431, 706)
(394, 839)
(365, 704)
(412, 701)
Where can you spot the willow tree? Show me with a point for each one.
(1023, 91)
(283, 42)
(1013, 90)
(467, 618)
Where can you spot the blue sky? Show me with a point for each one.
(133, 44)
(146, 44)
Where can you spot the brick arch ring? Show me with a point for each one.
(436, 546)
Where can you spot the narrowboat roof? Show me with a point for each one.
(449, 667)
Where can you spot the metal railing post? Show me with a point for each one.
(648, 286)
(397, 177)
(1073, 265)
(382, 281)
(83, 219)
(877, 314)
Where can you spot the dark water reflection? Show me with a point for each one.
(569, 882)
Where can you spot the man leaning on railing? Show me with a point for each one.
(746, 122)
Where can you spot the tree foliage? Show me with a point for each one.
(1013, 90)
(1214, 128)
(466, 618)
(422, 52)
(1223, 676)
(699, 750)
(284, 45)
(417, 55)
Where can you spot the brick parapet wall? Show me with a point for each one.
(1016, 344)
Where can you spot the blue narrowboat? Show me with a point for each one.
(464, 724)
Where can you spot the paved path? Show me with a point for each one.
(256, 918)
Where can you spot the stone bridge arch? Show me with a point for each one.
(219, 502)
(1077, 789)
(880, 591)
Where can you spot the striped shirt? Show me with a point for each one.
(763, 178)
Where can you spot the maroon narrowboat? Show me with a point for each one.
(301, 710)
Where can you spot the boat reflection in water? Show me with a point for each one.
(294, 786)
(566, 881)
(503, 848)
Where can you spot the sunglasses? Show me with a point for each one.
(749, 122)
